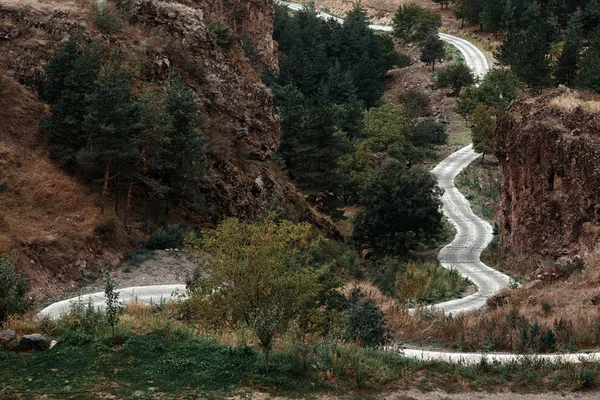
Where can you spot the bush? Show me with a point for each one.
(416, 104)
(106, 19)
(455, 76)
(222, 33)
(12, 290)
(171, 236)
(429, 133)
(585, 379)
(365, 322)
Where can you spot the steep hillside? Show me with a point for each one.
(549, 153)
(49, 220)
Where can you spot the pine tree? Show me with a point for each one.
(112, 126)
(588, 76)
(184, 156)
(566, 68)
(525, 51)
(433, 50)
(70, 77)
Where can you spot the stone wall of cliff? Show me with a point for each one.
(549, 153)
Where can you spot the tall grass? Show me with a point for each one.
(413, 283)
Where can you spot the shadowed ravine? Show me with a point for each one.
(463, 253)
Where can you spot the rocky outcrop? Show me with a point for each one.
(549, 153)
(252, 18)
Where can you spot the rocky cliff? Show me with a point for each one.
(48, 220)
(549, 153)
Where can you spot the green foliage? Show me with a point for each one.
(98, 126)
(173, 147)
(433, 50)
(588, 76)
(329, 73)
(525, 51)
(483, 126)
(256, 271)
(365, 322)
(415, 103)
(566, 67)
(222, 33)
(113, 129)
(455, 76)
(113, 306)
(106, 18)
(13, 288)
(415, 23)
(387, 131)
(429, 133)
(168, 237)
(70, 79)
(401, 209)
(497, 90)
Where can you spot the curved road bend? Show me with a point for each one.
(473, 235)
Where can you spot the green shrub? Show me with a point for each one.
(585, 378)
(221, 32)
(12, 290)
(106, 18)
(365, 322)
(429, 133)
(416, 103)
(171, 236)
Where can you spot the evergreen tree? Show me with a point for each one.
(70, 77)
(589, 73)
(402, 209)
(591, 16)
(413, 22)
(492, 14)
(566, 68)
(525, 51)
(433, 50)
(112, 126)
(184, 153)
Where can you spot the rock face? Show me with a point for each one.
(253, 18)
(549, 153)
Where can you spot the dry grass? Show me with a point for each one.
(570, 101)
(45, 215)
(499, 329)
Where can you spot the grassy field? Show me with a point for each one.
(154, 356)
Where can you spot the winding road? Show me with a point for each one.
(463, 253)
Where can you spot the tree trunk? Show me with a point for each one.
(128, 206)
(266, 362)
(117, 198)
(433, 65)
(105, 188)
(462, 23)
(482, 157)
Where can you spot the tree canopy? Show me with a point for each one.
(402, 209)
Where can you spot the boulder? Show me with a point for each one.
(33, 342)
(8, 338)
(596, 299)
